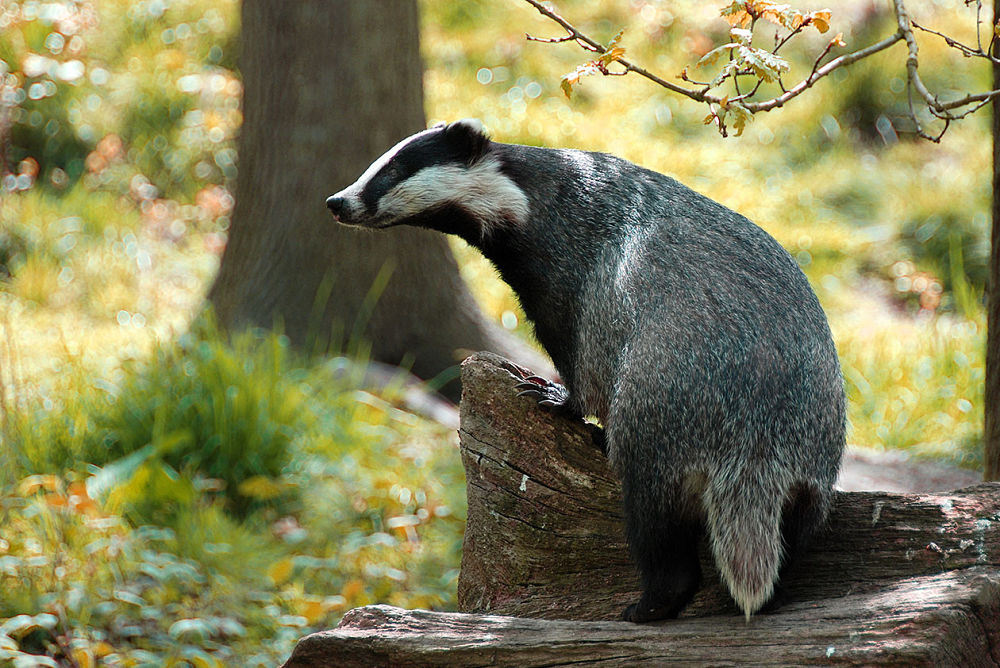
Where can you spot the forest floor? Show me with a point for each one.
(869, 469)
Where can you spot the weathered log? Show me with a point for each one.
(896, 579)
(937, 620)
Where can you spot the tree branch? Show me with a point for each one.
(817, 74)
(938, 108)
(597, 47)
(944, 110)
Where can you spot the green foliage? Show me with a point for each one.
(207, 409)
(918, 391)
(133, 548)
(951, 244)
(78, 71)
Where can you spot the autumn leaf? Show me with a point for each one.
(313, 608)
(838, 40)
(281, 570)
(782, 15)
(765, 65)
(611, 55)
(737, 14)
(56, 500)
(80, 501)
(573, 78)
(740, 117)
(741, 35)
(567, 86)
(713, 55)
(819, 19)
(352, 590)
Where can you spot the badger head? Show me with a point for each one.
(445, 178)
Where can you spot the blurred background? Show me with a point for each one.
(302, 492)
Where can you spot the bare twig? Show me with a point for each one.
(942, 110)
(551, 40)
(966, 51)
(597, 47)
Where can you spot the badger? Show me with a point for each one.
(688, 331)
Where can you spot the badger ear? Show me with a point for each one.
(469, 138)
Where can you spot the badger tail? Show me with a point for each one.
(744, 528)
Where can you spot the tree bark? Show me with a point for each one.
(991, 400)
(329, 85)
(897, 579)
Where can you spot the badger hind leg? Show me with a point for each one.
(804, 513)
(666, 553)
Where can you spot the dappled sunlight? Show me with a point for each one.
(125, 541)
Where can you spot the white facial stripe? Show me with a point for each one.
(381, 162)
(484, 191)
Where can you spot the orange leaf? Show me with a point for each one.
(352, 589)
(312, 608)
(281, 570)
(742, 19)
(820, 19)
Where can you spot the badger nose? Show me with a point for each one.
(336, 205)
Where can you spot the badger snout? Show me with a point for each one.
(336, 205)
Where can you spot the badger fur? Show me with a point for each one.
(685, 328)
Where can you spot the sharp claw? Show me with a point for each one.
(529, 393)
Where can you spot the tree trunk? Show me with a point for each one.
(991, 400)
(896, 579)
(328, 86)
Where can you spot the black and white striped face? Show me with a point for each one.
(445, 169)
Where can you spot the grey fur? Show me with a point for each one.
(690, 333)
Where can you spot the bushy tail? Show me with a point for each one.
(744, 529)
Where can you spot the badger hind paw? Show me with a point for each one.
(638, 613)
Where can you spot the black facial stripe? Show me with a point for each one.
(426, 150)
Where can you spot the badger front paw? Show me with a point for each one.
(554, 398)
(551, 397)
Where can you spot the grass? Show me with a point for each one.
(170, 499)
(220, 501)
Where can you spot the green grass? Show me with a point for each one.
(221, 500)
(918, 389)
(196, 500)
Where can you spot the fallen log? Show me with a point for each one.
(896, 579)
